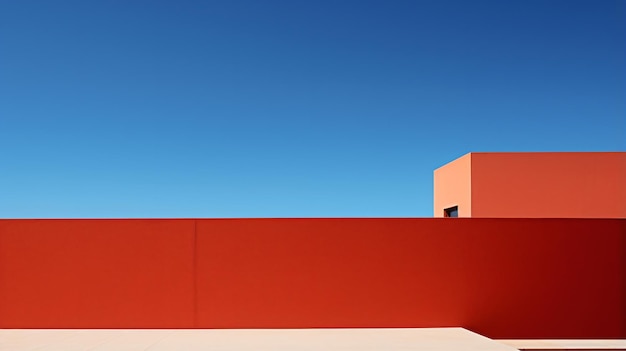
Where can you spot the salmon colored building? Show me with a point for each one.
(532, 185)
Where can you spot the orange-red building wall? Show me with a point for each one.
(504, 278)
(534, 185)
(549, 184)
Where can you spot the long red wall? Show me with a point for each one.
(504, 278)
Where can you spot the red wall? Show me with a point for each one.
(549, 184)
(96, 273)
(504, 278)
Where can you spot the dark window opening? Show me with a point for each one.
(451, 212)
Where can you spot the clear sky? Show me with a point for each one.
(290, 108)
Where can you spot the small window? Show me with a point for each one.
(451, 212)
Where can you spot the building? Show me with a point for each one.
(532, 185)
(321, 280)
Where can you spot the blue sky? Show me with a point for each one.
(290, 108)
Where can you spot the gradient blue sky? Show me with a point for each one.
(290, 108)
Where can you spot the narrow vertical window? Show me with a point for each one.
(451, 211)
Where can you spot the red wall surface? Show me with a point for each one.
(549, 184)
(503, 278)
(96, 273)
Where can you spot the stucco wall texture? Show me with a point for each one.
(534, 185)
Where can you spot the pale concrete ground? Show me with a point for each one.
(566, 344)
(427, 339)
